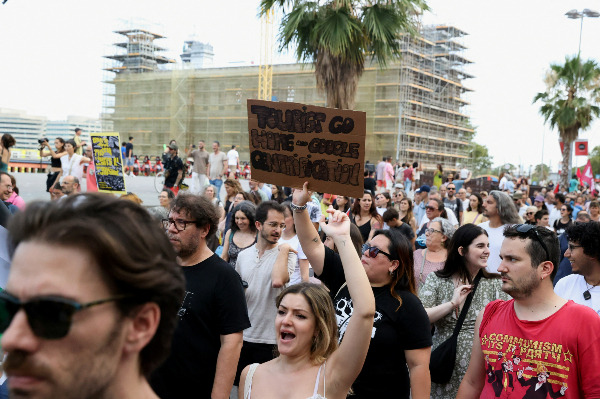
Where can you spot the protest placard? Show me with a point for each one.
(292, 143)
(106, 149)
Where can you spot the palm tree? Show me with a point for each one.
(569, 103)
(338, 35)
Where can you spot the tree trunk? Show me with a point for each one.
(566, 173)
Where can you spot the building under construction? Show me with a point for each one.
(415, 107)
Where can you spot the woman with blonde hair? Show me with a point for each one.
(310, 362)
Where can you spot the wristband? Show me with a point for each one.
(297, 208)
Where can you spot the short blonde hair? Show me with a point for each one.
(325, 341)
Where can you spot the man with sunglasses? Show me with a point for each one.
(91, 300)
(267, 268)
(452, 202)
(538, 326)
(208, 338)
(583, 252)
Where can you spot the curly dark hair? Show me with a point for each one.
(586, 235)
(198, 208)
(136, 257)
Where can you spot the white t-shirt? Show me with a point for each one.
(72, 167)
(232, 157)
(464, 173)
(294, 243)
(554, 215)
(260, 294)
(496, 237)
(573, 286)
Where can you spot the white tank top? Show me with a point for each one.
(315, 395)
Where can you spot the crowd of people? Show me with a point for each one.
(410, 291)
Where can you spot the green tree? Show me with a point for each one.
(569, 102)
(595, 158)
(481, 159)
(338, 35)
(540, 172)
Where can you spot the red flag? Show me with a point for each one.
(588, 175)
(579, 176)
(556, 188)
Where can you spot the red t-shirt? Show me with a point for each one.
(535, 359)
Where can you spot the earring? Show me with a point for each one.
(392, 272)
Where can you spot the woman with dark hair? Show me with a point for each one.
(446, 290)
(365, 217)
(55, 165)
(566, 214)
(474, 213)
(438, 176)
(6, 143)
(342, 203)
(71, 162)
(382, 202)
(165, 197)
(277, 194)
(242, 233)
(406, 213)
(310, 362)
(401, 332)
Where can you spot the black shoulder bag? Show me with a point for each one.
(443, 357)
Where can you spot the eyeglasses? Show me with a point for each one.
(526, 228)
(372, 252)
(572, 247)
(49, 317)
(431, 231)
(529, 213)
(275, 225)
(430, 208)
(450, 188)
(180, 224)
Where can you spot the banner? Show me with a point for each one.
(581, 147)
(108, 163)
(588, 175)
(292, 143)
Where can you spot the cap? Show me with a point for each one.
(173, 147)
(518, 195)
(424, 188)
(539, 198)
(399, 185)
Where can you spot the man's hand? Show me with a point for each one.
(301, 197)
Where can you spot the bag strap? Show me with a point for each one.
(248, 382)
(338, 292)
(424, 253)
(467, 305)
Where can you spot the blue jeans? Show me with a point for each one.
(218, 183)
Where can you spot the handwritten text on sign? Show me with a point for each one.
(291, 143)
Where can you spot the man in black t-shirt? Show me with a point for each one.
(208, 339)
(173, 168)
(370, 183)
(392, 218)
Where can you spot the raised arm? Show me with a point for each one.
(307, 235)
(346, 362)
(280, 274)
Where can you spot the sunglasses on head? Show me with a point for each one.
(372, 252)
(49, 317)
(526, 228)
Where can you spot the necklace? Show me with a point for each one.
(586, 294)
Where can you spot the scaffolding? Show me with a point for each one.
(416, 107)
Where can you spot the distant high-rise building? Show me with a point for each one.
(28, 129)
(199, 55)
(139, 53)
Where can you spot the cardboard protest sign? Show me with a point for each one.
(106, 149)
(292, 143)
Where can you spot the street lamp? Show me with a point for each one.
(575, 14)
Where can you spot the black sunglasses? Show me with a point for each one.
(372, 252)
(526, 228)
(49, 317)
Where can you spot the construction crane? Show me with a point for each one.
(265, 69)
